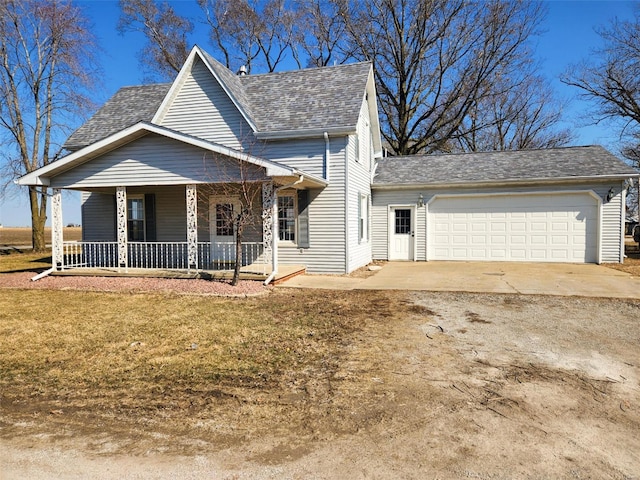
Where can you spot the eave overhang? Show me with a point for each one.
(42, 176)
(505, 183)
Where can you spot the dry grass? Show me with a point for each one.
(125, 356)
(23, 261)
(22, 236)
(632, 261)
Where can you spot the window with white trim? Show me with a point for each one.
(135, 218)
(287, 217)
(363, 218)
(357, 146)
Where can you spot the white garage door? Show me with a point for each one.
(515, 227)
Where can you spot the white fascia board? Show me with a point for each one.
(500, 183)
(42, 175)
(310, 133)
(373, 114)
(180, 79)
(175, 88)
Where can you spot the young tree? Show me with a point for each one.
(240, 184)
(47, 55)
(166, 49)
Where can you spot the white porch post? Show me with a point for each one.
(192, 226)
(270, 224)
(121, 220)
(57, 251)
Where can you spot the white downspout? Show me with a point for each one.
(327, 155)
(346, 208)
(274, 247)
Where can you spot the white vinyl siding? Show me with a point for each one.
(326, 251)
(203, 109)
(306, 154)
(152, 159)
(98, 217)
(358, 185)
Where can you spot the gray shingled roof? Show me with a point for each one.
(127, 107)
(312, 98)
(318, 98)
(496, 167)
(299, 100)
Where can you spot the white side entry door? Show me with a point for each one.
(401, 232)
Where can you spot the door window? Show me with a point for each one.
(403, 221)
(224, 219)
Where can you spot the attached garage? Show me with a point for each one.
(555, 205)
(541, 227)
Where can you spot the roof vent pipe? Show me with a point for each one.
(243, 71)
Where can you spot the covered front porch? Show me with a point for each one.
(155, 199)
(136, 230)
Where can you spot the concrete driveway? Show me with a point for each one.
(585, 280)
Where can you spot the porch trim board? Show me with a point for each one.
(56, 229)
(192, 226)
(121, 226)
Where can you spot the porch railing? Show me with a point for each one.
(165, 255)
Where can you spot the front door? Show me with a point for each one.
(222, 211)
(401, 233)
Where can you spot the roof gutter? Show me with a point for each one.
(492, 183)
(310, 133)
(274, 247)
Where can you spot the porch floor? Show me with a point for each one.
(284, 273)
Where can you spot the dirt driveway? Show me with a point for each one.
(463, 386)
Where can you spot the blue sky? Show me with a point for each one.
(568, 37)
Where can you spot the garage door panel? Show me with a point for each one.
(518, 227)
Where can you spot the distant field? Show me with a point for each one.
(22, 236)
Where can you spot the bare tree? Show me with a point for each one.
(252, 33)
(521, 114)
(611, 79)
(239, 183)
(322, 32)
(434, 61)
(47, 55)
(166, 49)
